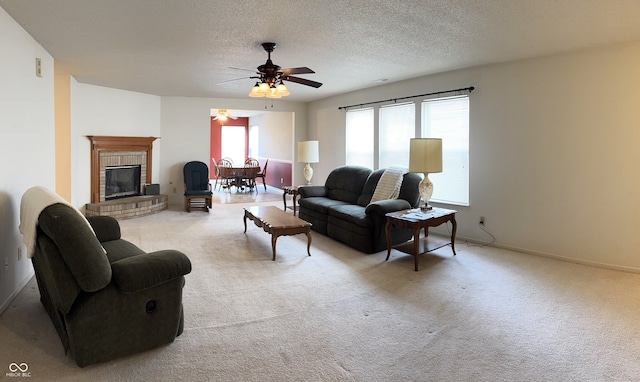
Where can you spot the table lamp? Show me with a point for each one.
(425, 156)
(308, 153)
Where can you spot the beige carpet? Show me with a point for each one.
(340, 315)
(246, 196)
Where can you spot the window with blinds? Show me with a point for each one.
(359, 138)
(397, 127)
(449, 119)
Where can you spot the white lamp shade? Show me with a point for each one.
(425, 155)
(308, 152)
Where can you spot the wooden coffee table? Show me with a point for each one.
(277, 223)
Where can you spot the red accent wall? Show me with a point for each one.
(278, 173)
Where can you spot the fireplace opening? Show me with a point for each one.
(121, 181)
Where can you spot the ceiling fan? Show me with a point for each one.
(270, 77)
(222, 115)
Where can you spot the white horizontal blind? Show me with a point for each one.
(449, 119)
(359, 137)
(397, 127)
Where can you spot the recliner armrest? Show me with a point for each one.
(310, 191)
(106, 228)
(383, 207)
(144, 271)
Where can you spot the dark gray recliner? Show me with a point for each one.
(105, 305)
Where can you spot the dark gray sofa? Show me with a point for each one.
(341, 210)
(105, 306)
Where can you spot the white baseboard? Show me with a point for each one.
(13, 295)
(552, 256)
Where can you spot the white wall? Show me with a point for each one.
(27, 146)
(186, 133)
(97, 110)
(276, 135)
(553, 151)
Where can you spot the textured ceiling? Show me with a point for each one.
(186, 47)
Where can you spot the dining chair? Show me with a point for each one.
(216, 172)
(252, 166)
(224, 164)
(262, 174)
(251, 162)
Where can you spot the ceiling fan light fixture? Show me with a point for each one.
(282, 90)
(222, 115)
(269, 90)
(264, 88)
(272, 92)
(255, 91)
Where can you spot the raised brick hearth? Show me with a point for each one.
(126, 208)
(120, 151)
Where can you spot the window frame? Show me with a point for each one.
(359, 144)
(455, 150)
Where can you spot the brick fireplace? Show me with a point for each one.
(108, 151)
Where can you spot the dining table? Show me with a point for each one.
(239, 177)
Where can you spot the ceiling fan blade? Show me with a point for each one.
(246, 70)
(303, 70)
(237, 79)
(302, 81)
(217, 117)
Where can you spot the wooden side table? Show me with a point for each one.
(416, 220)
(290, 190)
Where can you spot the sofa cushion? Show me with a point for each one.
(78, 245)
(409, 189)
(352, 214)
(105, 227)
(369, 187)
(320, 204)
(345, 183)
(120, 249)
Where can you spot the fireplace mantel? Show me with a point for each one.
(114, 143)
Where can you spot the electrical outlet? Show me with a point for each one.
(19, 253)
(38, 67)
(481, 221)
(6, 263)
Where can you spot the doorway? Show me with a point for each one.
(267, 136)
(240, 128)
